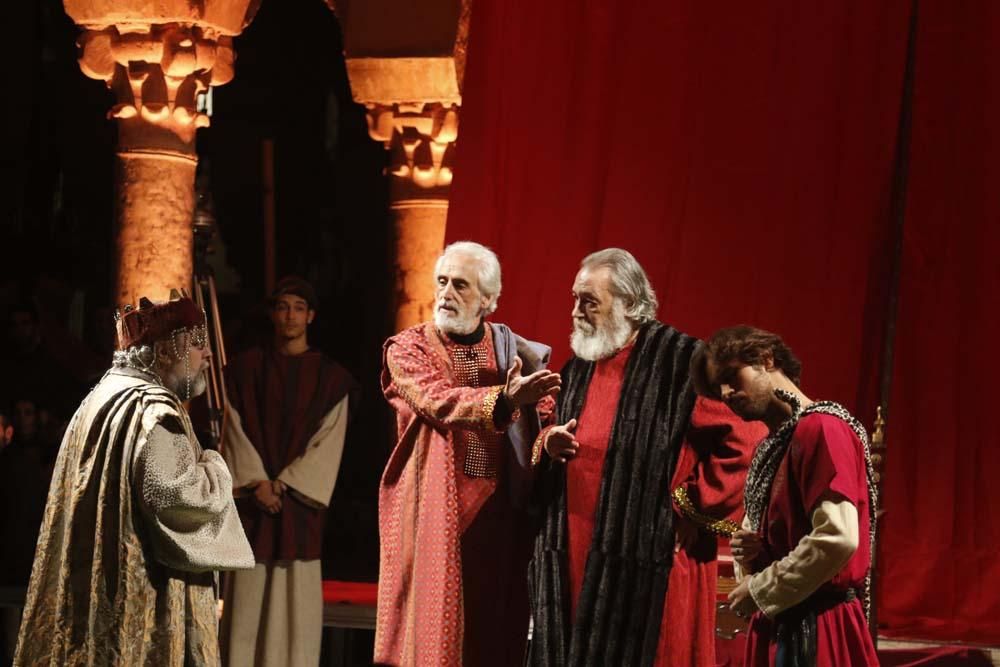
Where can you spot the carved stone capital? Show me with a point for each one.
(157, 74)
(405, 62)
(222, 17)
(157, 56)
(420, 139)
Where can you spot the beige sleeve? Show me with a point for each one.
(185, 496)
(814, 561)
(241, 456)
(738, 571)
(312, 476)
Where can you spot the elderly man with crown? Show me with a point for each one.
(138, 517)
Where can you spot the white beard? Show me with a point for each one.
(177, 383)
(199, 383)
(459, 324)
(595, 343)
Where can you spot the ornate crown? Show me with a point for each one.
(151, 322)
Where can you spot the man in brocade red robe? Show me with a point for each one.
(639, 479)
(455, 537)
(284, 439)
(804, 552)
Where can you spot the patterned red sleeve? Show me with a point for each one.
(717, 452)
(547, 416)
(420, 380)
(538, 448)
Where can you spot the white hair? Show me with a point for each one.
(489, 268)
(628, 282)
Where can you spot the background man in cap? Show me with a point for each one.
(284, 439)
(138, 515)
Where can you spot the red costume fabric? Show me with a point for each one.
(712, 469)
(583, 477)
(452, 585)
(824, 461)
(619, 617)
(281, 400)
(156, 322)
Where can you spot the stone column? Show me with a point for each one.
(158, 57)
(420, 139)
(405, 63)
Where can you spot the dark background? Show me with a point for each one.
(56, 217)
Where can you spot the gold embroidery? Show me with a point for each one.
(472, 368)
(536, 449)
(489, 406)
(723, 527)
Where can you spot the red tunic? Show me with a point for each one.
(711, 467)
(583, 476)
(824, 461)
(282, 399)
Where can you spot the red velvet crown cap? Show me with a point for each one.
(152, 322)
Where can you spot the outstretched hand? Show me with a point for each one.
(525, 390)
(560, 443)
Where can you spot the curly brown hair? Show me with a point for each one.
(746, 344)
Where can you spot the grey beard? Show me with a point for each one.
(459, 325)
(199, 383)
(601, 342)
(178, 383)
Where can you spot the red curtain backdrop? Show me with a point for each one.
(942, 526)
(744, 153)
(744, 156)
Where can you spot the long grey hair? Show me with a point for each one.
(628, 282)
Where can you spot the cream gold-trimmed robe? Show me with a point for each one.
(138, 517)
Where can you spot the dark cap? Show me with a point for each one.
(295, 286)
